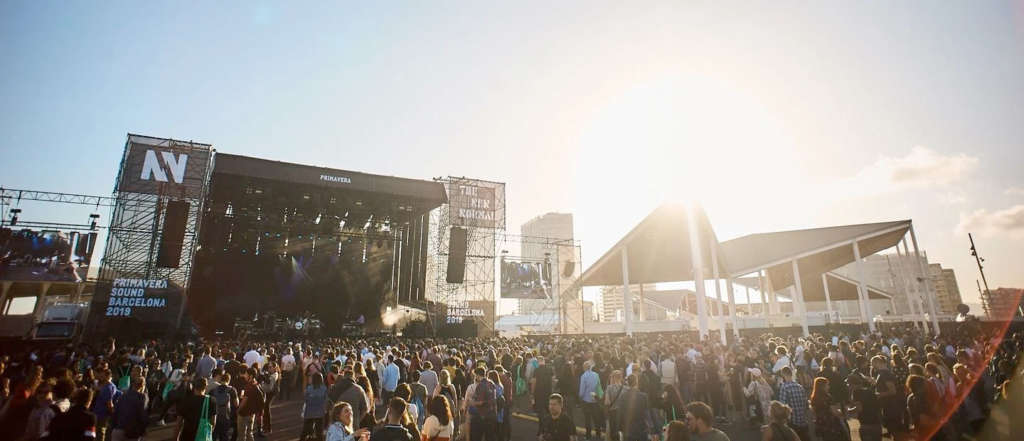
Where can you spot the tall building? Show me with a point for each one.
(893, 274)
(947, 292)
(612, 308)
(1006, 303)
(554, 227)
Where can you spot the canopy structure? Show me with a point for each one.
(676, 243)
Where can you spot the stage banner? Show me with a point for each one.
(474, 205)
(163, 166)
(45, 255)
(525, 280)
(125, 307)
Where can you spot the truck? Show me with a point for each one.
(62, 322)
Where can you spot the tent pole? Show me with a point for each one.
(750, 306)
(799, 284)
(718, 287)
(918, 306)
(927, 281)
(828, 298)
(732, 308)
(862, 290)
(761, 290)
(697, 260)
(627, 300)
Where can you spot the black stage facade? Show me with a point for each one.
(287, 240)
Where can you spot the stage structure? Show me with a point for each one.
(477, 207)
(151, 241)
(548, 271)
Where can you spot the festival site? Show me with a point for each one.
(509, 221)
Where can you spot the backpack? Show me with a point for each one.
(223, 396)
(257, 401)
(499, 403)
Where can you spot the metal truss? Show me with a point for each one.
(9, 195)
(563, 312)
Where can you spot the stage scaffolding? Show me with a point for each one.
(477, 291)
(137, 222)
(564, 311)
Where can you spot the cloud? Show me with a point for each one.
(923, 167)
(1014, 191)
(1007, 221)
(920, 168)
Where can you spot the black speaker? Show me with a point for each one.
(173, 237)
(85, 246)
(457, 255)
(568, 269)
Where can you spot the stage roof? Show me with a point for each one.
(659, 250)
(839, 288)
(430, 193)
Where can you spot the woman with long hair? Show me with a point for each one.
(828, 425)
(369, 419)
(314, 406)
(446, 389)
(439, 426)
(676, 431)
(923, 408)
(672, 404)
(341, 428)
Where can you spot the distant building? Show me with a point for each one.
(556, 227)
(1006, 302)
(947, 292)
(613, 309)
(896, 275)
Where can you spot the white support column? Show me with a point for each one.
(718, 287)
(37, 311)
(828, 297)
(627, 299)
(862, 290)
(750, 306)
(697, 259)
(5, 287)
(761, 291)
(773, 299)
(732, 308)
(643, 310)
(799, 300)
(927, 282)
(916, 295)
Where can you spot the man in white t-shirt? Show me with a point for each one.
(287, 374)
(252, 358)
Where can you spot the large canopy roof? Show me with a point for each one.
(658, 250)
(839, 288)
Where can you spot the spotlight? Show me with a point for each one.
(93, 219)
(318, 217)
(14, 216)
(359, 203)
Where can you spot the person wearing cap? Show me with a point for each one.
(761, 393)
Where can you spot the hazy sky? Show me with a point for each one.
(778, 116)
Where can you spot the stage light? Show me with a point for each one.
(318, 217)
(306, 196)
(14, 216)
(93, 217)
(333, 200)
(359, 203)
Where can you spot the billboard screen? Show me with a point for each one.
(474, 206)
(525, 280)
(45, 255)
(164, 166)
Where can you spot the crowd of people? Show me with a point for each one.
(901, 384)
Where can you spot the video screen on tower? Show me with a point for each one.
(525, 280)
(45, 255)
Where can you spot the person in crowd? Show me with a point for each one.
(672, 403)
(314, 407)
(226, 398)
(613, 403)
(675, 431)
(890, 397)
(345, 390)
(130, 418)
(419, 396)
(482, 407)
(103, 405)
(761, 393)
(288, 371)
(555, 424)
(589, 389)
(541, 386)
(78, 423)
(828, 425)
(866, 407)
(190, 410)
(251, 403)
(700, 420)
(206, 364)
(429, 378)
(389, 379)
(634, 412)
(393, 428)
(341, 428)
(794, 395)
(270, 380)
(439, 426)
(778, 428)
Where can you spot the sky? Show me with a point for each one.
(772, 115)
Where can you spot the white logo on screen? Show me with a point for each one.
(151, 168)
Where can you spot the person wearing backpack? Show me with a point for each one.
(130, 418)
(190, 411)
(252, 402)
(227, 408)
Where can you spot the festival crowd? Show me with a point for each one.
(900, 384)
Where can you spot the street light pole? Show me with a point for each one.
(981, 269)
